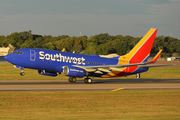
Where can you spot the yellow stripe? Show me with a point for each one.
(157, 54)
(141, 41)
(114, 72)
(117, 89)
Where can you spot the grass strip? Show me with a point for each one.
(125, 105)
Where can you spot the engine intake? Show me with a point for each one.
(74, 71)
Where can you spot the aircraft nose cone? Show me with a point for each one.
(8, 57)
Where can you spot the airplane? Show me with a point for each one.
(52, 62)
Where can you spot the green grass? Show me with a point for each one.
(125, 105)
(8, 72)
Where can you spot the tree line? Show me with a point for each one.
(97, 44)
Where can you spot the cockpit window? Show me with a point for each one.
(19, 53)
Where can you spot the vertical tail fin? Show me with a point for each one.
(141, 51)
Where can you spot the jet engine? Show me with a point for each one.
(43, 72)
(73, 71)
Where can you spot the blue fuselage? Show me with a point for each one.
(52, 60)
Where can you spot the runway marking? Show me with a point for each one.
(117, 89)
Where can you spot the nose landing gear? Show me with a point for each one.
(22, 70)
(22, 73)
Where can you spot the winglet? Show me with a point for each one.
(156, 57)
(63, 50)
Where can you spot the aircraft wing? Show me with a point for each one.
(115, 66)
(106, 68)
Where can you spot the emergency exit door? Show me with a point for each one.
(32, 55)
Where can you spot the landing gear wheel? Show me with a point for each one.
(22, 73)
(88, 80)
(72, 79)
(138, 75)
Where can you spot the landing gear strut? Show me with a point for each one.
(72, 79)
(88, 80)
(138, 75)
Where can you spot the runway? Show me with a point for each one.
(102, 85)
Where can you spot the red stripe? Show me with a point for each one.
(142, 53)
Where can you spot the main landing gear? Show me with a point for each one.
(72, 79)
(86, 80)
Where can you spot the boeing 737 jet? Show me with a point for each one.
(52, 63)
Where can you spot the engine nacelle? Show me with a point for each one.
(43, 72)
(74, 71)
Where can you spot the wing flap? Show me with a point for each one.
(104, 69)
(99, 72)
(117, 69)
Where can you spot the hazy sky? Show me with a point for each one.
(68, 17)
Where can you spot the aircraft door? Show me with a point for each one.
(32, 55)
